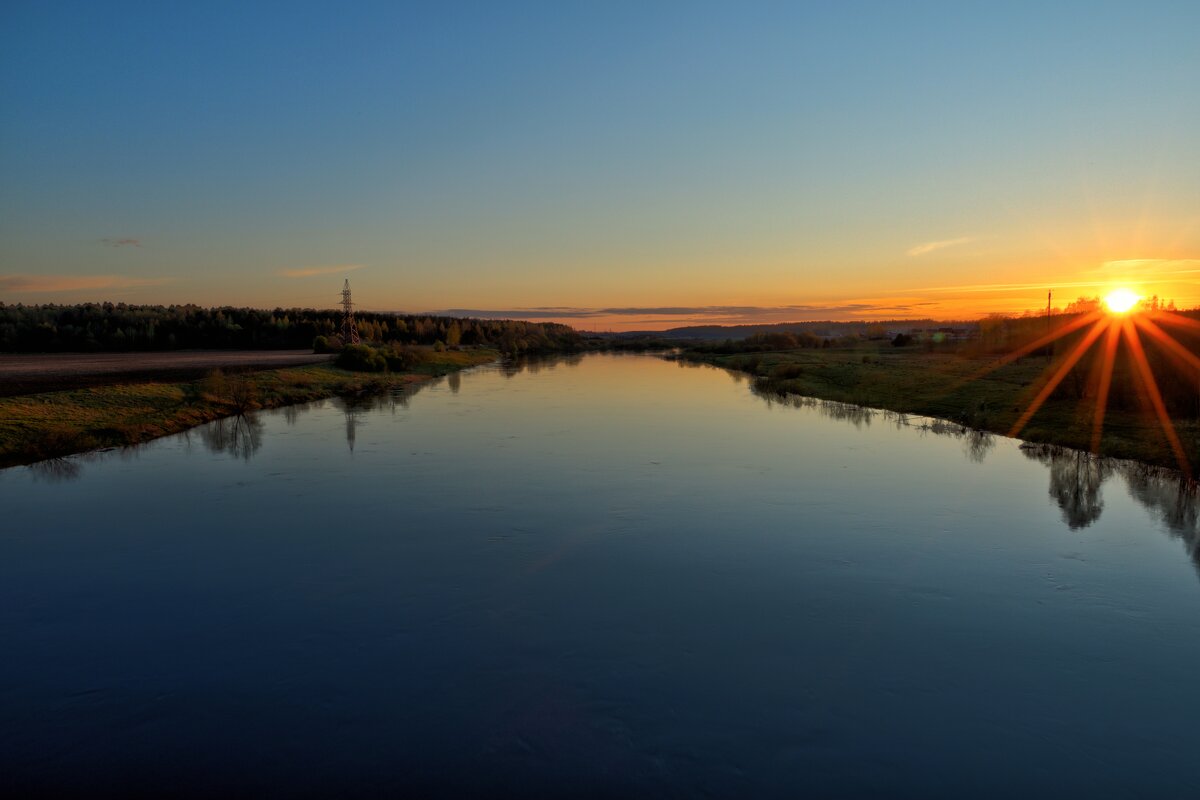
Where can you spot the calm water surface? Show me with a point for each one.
(611, 575)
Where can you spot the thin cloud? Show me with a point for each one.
(693, 310)
(929, 247)
(126, 242)
(517, 313)
(1150, 267)
(571, 312)
(308, 272)
(72, 283)
(1007, 287)
(1130, 269)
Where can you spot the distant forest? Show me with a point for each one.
(823, 329)
(104, 327)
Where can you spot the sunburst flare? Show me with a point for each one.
(1123, 318)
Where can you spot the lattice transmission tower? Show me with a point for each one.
(349, 328)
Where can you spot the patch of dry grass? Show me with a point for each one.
(40, 426)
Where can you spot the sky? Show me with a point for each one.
(613, 165)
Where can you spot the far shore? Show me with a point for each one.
(953, 387)
(33, 373)
(119, 400)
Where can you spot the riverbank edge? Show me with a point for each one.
(37, 427)
(1126, 439)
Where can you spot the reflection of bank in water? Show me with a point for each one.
(69, 468)
(533, 364)
(355, 407)
(1076, 476)
(976, 443)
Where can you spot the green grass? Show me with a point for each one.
(40, 426)
(947, 385)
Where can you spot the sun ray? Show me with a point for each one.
(1021, 352)
(1163, 338)
(1176, 320)
(1160, 409)
(1106, 373)
(1069, 362)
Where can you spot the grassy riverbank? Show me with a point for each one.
(949, 385)
(39, 426)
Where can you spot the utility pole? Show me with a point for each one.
(1049, 347)
(349, 328)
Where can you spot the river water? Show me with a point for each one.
(597, 576)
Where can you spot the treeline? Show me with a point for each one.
(105, 327)
(783, 341)
(1166, 360)
(768, 342)
(999, 333)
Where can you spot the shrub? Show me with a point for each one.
(786, 371)
(243, 393)
(214, 385)
(239, 391)
(401, 357)
(361, 358)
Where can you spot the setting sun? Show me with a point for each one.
(1120, 301)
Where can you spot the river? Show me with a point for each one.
(606, 575)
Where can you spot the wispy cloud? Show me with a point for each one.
(1131, 270)
(1006, 287)
(72, 283)
(125, 242)
(1149, 267)
(929, 247)
(308, 272)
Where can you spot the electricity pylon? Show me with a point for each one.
(349, 328)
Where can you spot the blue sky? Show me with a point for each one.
(596, 155)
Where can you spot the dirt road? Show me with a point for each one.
(29, 374)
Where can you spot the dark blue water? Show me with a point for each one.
(613, 576)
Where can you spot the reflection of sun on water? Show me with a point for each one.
(1120, 301)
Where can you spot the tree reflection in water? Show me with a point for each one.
(69, 468)
(1076, 476)
(858, 416)
(533, 364)
(977, 444)
(292, 413)
(241, 435)
(355, 407)
(57, 470)
(1075, 480)
(1175, 502)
